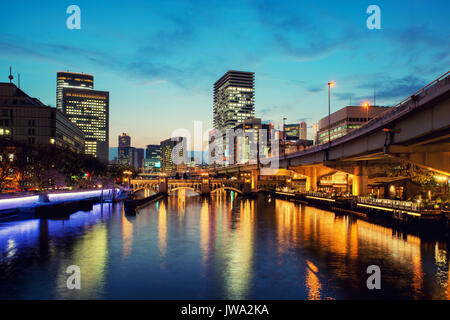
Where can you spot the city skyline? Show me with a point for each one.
(293, 57)
(227, 158)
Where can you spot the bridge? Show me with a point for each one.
(245, 184)
(416, 131)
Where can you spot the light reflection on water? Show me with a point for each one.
(223, 247)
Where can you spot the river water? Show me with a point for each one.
(222, 247)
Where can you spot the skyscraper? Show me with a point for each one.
(303, 133)
(124, 152)
(71, 80)
(167, 146)
(89, 110)
(234, 99)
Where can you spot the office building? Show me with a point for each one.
(246, 142)
(152, 161)
(345, 120)
(71, 80)
(27, 120)
(234, 99)
(168, 165)
(153, 151)
(89, 110)
(124, 140)
(138, 157)
(296, 131)
(124, 153)
(303, 131)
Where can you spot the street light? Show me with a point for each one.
(330, 84)
(366, 105)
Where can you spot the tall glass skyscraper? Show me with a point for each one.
(124, 151)
(71, 80)
(89, 110)
(234, 99)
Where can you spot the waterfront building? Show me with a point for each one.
(347, 119)
(168, 165)
(71, 80)
(234, 99)
(27, 120)
(89, 110)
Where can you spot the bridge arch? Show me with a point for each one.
(180, 188)
(227, 188)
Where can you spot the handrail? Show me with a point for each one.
(382, 116)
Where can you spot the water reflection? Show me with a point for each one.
(218, 247)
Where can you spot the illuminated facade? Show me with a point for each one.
(167, 146)
(152, 162)
(28, 121)
(124, 151)
(296, 131)
(234, 99)
(345, 120)
(89, 110)
(71, 80)
(246, 141)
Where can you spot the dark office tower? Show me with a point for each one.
(138, 159)
(124, 140)
(153, 151)
(296, 131)
(124, 152)
(71, 80)
(89, 110)
(234, 99)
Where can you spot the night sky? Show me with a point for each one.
(159, 59)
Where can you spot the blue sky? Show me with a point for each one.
(159, 59)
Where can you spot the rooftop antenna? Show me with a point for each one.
(374, 96)
(10, 75)
(19, 80)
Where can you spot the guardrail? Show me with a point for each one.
(388, 203)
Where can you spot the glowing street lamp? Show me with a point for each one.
(330, 84)
(366, 105)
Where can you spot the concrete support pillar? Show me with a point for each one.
(247, 185)
(360, 181)
(205, 190)
(311, 179)
(163, 184)
(254, 180)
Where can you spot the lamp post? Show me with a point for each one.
(330, 84)
(366, 105)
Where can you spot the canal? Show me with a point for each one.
(222, 247)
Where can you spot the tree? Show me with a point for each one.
(7, 167)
